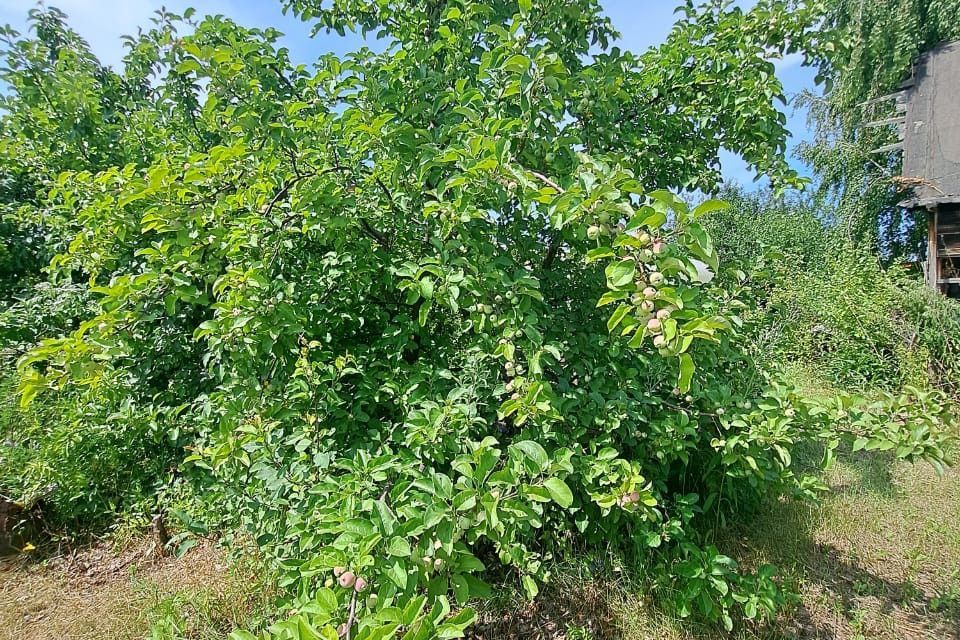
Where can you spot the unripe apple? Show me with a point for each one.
(643, 239)
(647, 306)
(663, 314)
(498, 299)
(493, 317)
(514, 396)
(653, 325)
(658, 247)
(339, 571)
(649, 293)
(487, 309)
(438, 564)
(646, 255)
(359, 585)
(688, 398)
(635, 497)
(656, 277)
(659, 342)
(593, 232)
(605, 229)
(347, 579)
(720, 411)
(603, 218)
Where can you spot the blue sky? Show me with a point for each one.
(642, 23)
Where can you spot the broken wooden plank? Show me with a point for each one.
(889, 148)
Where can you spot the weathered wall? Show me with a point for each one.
(931, 145)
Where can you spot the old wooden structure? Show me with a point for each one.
(930, 108)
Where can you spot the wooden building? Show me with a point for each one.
(930, 104)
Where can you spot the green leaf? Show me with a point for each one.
(530, 587)
(559, 491)
(517, 63)
(617, 317)
(620, 274)
(533, 452)
(611, 296)
(398, 547)
(709, 206)
(686, 372)
(599, 253)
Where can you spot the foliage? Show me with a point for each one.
(873, 46)
(78, 462)
(832, 306)
(415, 315)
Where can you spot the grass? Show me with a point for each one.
(878, 559)
(99, 594)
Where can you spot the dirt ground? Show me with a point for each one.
(98, 593)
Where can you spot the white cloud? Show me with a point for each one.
(788, 62)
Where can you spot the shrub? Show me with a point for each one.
(831, 305)
(416, 315)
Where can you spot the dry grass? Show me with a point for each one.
(97, 594)
(878, 560)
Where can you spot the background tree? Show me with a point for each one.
(871, 51)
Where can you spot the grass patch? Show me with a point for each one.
(99, 594)
(878, 559)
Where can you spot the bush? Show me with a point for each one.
(416, 317)
(832, 306)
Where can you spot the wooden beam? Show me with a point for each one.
(933, 260)
(886, 121)
(889, 148)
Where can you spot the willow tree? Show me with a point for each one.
(871, 51)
